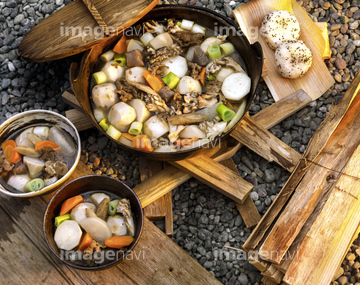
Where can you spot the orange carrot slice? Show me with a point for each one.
(70, 203)
(154, 81)
(11, 155)
(120, 46)
(202, 75)
(85, 242)
(45, 144)
(128, 136)
(7, 143)
(142, 142)
(119, 242)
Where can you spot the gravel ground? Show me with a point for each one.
(205, 222)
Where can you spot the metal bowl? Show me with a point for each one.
(80, 186)
(33, 118)
(251, 55)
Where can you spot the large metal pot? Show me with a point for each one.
(251, 55)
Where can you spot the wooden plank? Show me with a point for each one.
(22, 243)
(317, 142)
(157, 209)
(319, 178)
(247, 209)
(69, 98)
(265, 144)
(79, 119)
(267, 281)
(162, 207)
(331, 234)
(279, 111)
(216, 176)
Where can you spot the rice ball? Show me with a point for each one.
(279, 26)
(293, 59)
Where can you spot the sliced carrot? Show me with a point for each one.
(142, 142)
(120, 46)
(202, 75)
(7, 143)
(85, 242)
(45, 144)
(70, 203)
(182, 142)
(128, 136)
(119, 242)
(154, 81)
(11, 155)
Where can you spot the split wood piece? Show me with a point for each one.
(162, 207)
(69, 98)
(273, 274)
(265, 144)
(217, 176)
(317, 142)
(322, 250)
(79, 119)
(319, 178)
(247, 209)
(267, 281)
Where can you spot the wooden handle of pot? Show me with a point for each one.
(95, 13)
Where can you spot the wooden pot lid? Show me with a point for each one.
(78, 26)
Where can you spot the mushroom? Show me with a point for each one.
(117, 225)
(154, 27)
(102, 210)
(206, 101)
(187, 119)
(174, 134)
(123, 207)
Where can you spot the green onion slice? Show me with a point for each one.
(225, 113)
(35, 185)
(120, 59)
(112, 207)
(60, 219)
(214, 52)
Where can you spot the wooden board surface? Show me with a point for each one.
(317, 142)
(59, 36)
(318, 79)
(155, 260)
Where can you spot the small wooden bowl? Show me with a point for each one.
(83, 185)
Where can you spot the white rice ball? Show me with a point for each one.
(293, 59)
(279, 26)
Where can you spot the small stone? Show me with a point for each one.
(350, 256)
(102, 142)
(5, 83)
(335, 27)
(254, 196)
(59, 2)
(18, 19)
(342, 280)
(338, 273)
(226, 216)
(346, 77)
(357, 251)
(354, 25)
(344, 19)
(340, 63)
(243, 279)
(269, 176)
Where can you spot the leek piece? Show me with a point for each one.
(214, 52)
(107, 56)
(104, 123)
(99, 115)
(60, 219)
(113, 132)
(112, 207)
(178, 24)
(67, 147)
(171, 80)
(35, 185)
(187, 25)
(198, 29)
(135, 128)
(211, 77)
(227, 48)
(99, 77)
(225, 113)
(239, 113)
(41, 131)
(120, 59)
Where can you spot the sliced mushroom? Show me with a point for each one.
(102, 210)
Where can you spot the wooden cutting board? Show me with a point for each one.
(73, 29)
(318, 79)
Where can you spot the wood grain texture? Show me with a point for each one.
(69, 98)
(216, 176)
(318, 79)
(320, 176)
(265, 144)
(247, 209)
(78, 118)
(277, 112)
(317, 142)
(155, 260)
(332, 232)
(59, 36)
(98, 18)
